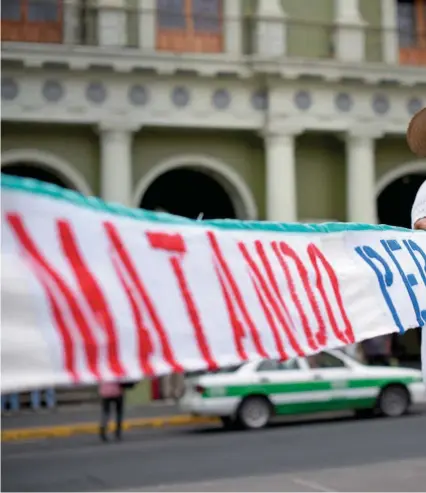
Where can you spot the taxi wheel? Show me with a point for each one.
(254, 412)
(394, 401)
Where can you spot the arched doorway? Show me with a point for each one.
(189, 193)
(191, 185)
(44, 166)
(28, 170)
(394, 202)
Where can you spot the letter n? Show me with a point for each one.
(268, 287)
(235, 303)
(283, 252)
(346, 336)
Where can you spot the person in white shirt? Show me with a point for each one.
(418, 218)
(416, 138)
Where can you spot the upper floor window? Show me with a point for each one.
(190, 25)
(412, 31)
(37, 21)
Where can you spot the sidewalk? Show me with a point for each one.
(76, 420)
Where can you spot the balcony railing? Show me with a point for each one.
(87, 23)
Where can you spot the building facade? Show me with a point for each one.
(286, 110)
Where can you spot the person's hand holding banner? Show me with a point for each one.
(419, 209)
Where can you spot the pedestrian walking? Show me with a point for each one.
(112, 395)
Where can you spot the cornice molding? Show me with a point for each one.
(125, 60)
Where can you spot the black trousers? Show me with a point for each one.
(107, 404)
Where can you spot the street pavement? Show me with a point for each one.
(314, 455)
(82, 414)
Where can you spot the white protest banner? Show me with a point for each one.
(95, 291)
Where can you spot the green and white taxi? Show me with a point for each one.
(249, 394)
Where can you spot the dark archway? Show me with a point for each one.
(395, 201)
(394, 208)
(187, 192)
(37, 172)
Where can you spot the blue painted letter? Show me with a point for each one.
(385, 278)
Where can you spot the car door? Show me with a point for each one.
(286, 383)
(330, 378)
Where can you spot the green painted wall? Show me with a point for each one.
(391, 152)
(371, 12)
(242, 151)
(321, 172)
(320, 177)
(89, 22)
(133, 23)
(140, 394)
(78, 145)
(310, 28)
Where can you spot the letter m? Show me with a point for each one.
(68, 306)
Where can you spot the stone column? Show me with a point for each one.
(72, 22)
(390, 42)
(233, 27)
(147, 12)
(360, 176)
(350, 31)
(347, 10)
(270, 33)
(112, 22)
(281, 199)
(116, 163)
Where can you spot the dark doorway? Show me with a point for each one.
(394, 208)
(189, 193)
(395, 202)
(36, 172)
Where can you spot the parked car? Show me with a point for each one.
(249, 394)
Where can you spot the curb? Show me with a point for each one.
(63, 431)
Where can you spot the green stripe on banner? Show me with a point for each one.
(309, 386)
(35, 187)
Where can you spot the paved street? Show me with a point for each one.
(82, 414)
(338, 455)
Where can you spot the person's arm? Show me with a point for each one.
(420, 224)
(418, 214)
